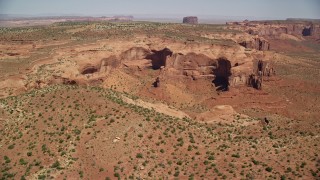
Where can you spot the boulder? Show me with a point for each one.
(156, 83)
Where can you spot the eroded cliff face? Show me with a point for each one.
(311, 30)
(256, 43)
(194, 63)
(292, 29)
(191, 65)
(275, 29)
(159, 58)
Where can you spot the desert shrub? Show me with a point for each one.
(269, 169)
(81, 174)
(7, 159)
(211, 157)
(303, 164)
(56, 165)
(11, 146)
(116, 175)
(235, 155)
(22, 162)
(139, 155)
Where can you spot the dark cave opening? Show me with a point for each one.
(222, 83)
(89, 70)
(306, 31)
(159, 58)
(222, 73)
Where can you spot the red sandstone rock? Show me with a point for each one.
(257, 43)
(159, 58)
(275, 29)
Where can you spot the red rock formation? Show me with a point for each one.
(62, 80)
(134, 53)
(222, 74)
(254, 81)
(159, 58)
(309, 30)
(275, 30)
(156, 83)
(89, 69)
(314, 30)
(107, 64)
(257, 43)
(192, 65)
(190, 20)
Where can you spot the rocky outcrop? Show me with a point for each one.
(108, 63)
(222, 74)
(89, 69)
(265, 67)
(156, 83)
(134, 53)
(256, 43)
(309, 30)
(200, 66)
(274, 29)
(159, 58)
(271, 31)
(314, 30)
(190, 20)
(255, 81)
(191, 61)
(238, 79)
(192, 65)
(62, 80)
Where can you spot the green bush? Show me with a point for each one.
(11, 146)
(22, 162)
(211, 157)
(235, 155)
(269, 169)
(139, 155)
(56, 165)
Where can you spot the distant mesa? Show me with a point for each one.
(190, 20)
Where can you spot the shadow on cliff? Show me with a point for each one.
(159, 58)
(222, 73)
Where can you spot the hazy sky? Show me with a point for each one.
(276, 9)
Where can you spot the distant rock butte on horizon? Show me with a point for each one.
(190, 20)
